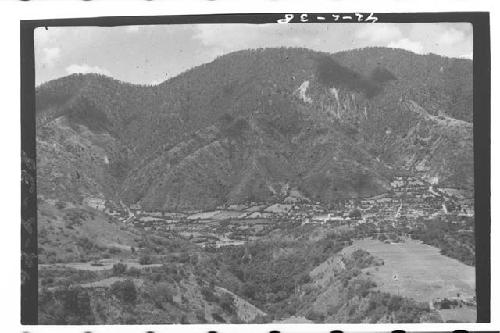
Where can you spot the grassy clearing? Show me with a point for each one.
(459, 315)
(417, 271)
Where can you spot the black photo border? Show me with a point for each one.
(481, 127)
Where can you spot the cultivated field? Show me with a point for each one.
(418, 271)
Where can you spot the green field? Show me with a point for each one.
(417, 271)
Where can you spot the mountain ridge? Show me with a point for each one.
(250, 122)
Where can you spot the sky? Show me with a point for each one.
(152, 54)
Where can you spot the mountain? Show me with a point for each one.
(253, 125)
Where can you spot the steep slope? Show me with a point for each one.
(254, 163)
(68, 233)
(439, 146)
(253, 122)
(434, 82)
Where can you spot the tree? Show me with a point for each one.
(134, 271)
(355, 214)
(124, 290)
(119, 269)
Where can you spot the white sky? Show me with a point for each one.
(151, 54)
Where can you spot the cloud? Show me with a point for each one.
(450, 36)
(379, 32)
(232, 37)
(407, 44)
(467, 56)
(228, 38)
(84, 68)
(50, 56)
(175, 48)
(219, 39)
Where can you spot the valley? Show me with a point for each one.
(270, 185)
(387, 228)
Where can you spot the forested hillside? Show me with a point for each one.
(253, 122)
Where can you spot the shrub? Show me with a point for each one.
(227, 303)
(60, 205)
(119, 269)
(134, 271)
(100, 309)
(260, 319)
(162, 292)
(200, 315)
(75, 217)
(183, 257)
(218, 318)
(249, 290)
(114, 250)
(146, 260)
(235, 319)
(355, 214)
(124, 290)
(209, 295)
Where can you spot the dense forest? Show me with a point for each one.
(248, 112)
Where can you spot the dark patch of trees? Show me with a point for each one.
(382, 74)
(355, 214)
(330, 73)
(401, 310)
(119, 168)
(267, 281)
(236, 128)
(119, 269)
(146, 260)
(86, 112)
(124, 290)
(68, 306)
(449, 237)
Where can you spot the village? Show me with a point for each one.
(410, 200)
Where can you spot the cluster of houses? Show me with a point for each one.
(409, 198)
